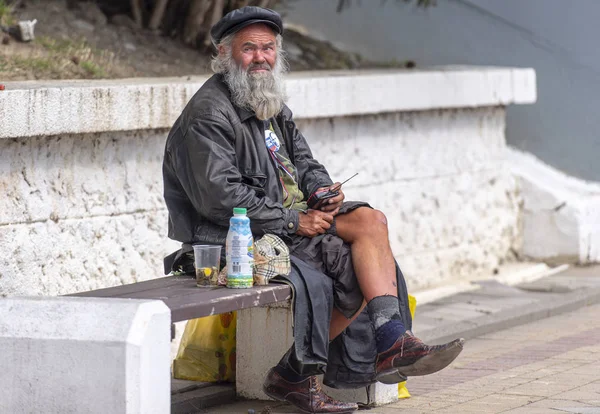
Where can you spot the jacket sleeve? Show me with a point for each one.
(312, 174)
(206, 165)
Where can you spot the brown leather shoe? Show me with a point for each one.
(306, 395)
(409, 356)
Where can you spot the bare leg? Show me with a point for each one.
(366, 231)
(339, 322)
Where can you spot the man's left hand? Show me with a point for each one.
(334, 203)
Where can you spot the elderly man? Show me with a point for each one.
(236, 145)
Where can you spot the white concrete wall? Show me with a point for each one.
(85, 210)
(561, 214)
(84, 355)
(81, 212)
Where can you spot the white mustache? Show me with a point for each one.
(259, 66)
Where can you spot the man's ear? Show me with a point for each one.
(221, 50)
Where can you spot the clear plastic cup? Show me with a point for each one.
(207, 260)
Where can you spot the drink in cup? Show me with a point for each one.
(207, 260)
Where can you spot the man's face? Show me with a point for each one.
(254, 49)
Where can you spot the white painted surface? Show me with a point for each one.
(84, 355)
(263, 335)
(81, 212)
(67, 107)
(85, 211)
(561, 214)
(380, 394)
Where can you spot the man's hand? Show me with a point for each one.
(333, 204)
(313, 223)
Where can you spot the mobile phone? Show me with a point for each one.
(318, 198)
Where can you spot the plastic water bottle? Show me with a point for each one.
(239, 251)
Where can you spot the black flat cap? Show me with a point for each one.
(237, 19)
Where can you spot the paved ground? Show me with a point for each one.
(532, 349)
(493, 306)
(548, 366)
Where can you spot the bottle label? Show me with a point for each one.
(239, 281)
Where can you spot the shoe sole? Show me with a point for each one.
(390, 377)
(300, 409)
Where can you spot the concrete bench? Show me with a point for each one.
(187, 301)
(264, 326)
(107, 350)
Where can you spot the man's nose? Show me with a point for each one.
(259, 57)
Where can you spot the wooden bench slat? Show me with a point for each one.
(187, 301)
(182, 309)
(117, 291)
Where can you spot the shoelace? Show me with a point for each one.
(314, 385)
(313, 388)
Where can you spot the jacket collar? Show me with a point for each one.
(243, 113)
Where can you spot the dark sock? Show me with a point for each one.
(284, 367)
(288, 374)
(385, 316)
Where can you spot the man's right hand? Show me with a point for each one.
(314, 222)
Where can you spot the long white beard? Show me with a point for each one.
(261, 92)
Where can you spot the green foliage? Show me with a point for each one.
(59, 58)
(78, 52)
(37, 64)
(6, 14)
(93, 69)
(58, 45)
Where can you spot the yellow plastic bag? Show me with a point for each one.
(207, 349)
(402, 390)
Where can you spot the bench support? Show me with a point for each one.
(84, 355)
(263, 335)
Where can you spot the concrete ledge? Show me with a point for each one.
(201, 398)
(561, 214)
(74, 107)
(67, 355)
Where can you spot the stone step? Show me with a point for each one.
(189, 397)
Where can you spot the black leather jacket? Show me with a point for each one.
(216, 159)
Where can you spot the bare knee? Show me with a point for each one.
(373, 223)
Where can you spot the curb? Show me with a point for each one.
(514, 317)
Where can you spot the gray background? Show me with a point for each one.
(556, 37)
